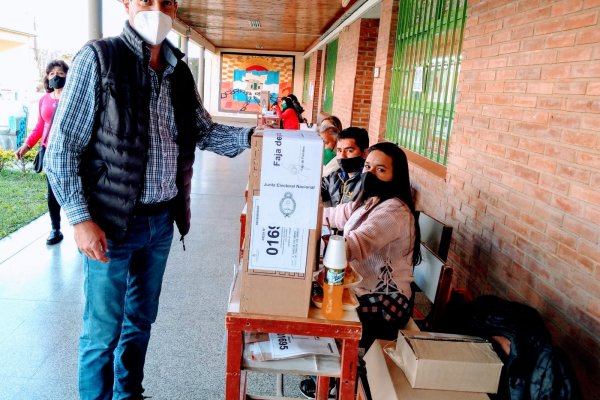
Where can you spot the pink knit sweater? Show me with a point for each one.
(374, 234)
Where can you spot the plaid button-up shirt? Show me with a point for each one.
(74, 122)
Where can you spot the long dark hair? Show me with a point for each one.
(401, 188)
(51, 65)
(297, 106)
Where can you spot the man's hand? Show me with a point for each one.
(91, 240)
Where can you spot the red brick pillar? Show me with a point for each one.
(354, 72)
(314, 81)
(388, 25)
(363, 86)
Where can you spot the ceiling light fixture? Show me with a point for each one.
(254, 23)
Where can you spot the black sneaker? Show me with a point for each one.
(308, 387)
(55, 237)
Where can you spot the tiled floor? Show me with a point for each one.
(41, 301)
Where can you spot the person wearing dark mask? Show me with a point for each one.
(343, 184)
(287, 113)
(382, 244)
(54, 81)
(120, 161)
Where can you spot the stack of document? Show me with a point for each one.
(284, 346)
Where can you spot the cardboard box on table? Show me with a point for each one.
(448, 362)
(268, 292)
(387, 380)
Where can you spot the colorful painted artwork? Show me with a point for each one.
(245, 76)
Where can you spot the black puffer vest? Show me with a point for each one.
(114, 164)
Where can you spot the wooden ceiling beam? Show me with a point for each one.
(182, 28)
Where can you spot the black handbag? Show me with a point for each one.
(38, 161)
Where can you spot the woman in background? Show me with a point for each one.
(287, 113)
(54, 81)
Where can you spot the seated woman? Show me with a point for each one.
(382, 242)
(287, 113)
(383, 245)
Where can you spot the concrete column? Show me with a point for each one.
(94, 19)
(185, 40)
(201, 73)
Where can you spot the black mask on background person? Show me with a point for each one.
(351, 164)
(373, 186)
(57, 82)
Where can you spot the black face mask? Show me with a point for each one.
(351, 164)
(373, 186)
(57, 82)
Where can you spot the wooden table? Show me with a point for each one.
(268, 120)
(347, 331)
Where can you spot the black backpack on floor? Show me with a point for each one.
(534, 369)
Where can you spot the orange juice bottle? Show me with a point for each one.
(333, 290)
(335, 263)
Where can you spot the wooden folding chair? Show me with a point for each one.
(433, 279)
(435, 234)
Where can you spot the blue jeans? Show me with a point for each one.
(121, 303)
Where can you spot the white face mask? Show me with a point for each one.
(152, 26)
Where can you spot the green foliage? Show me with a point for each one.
(22, 199)
(6, 158)
(25, 164)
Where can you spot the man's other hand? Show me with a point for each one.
(91, 240)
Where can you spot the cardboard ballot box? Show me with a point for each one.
(448, 362)
(387, 381)
(281, 287)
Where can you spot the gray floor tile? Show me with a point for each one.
(41, 302)
(11, 388)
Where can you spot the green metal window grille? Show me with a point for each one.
(331, 55)
(425, 75)
(306, 83)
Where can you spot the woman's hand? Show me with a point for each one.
(21, 151)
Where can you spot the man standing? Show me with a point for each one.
(120, 162)
(343, 184)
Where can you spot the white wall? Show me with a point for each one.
(213, 77)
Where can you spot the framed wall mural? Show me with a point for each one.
(244, 77)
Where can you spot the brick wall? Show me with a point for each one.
(363, 83)
(321, 78)
(384, 58)
(345, 71)
(314, 79)
(522, 189)
(354, 73)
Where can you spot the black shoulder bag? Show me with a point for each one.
(38, 161)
